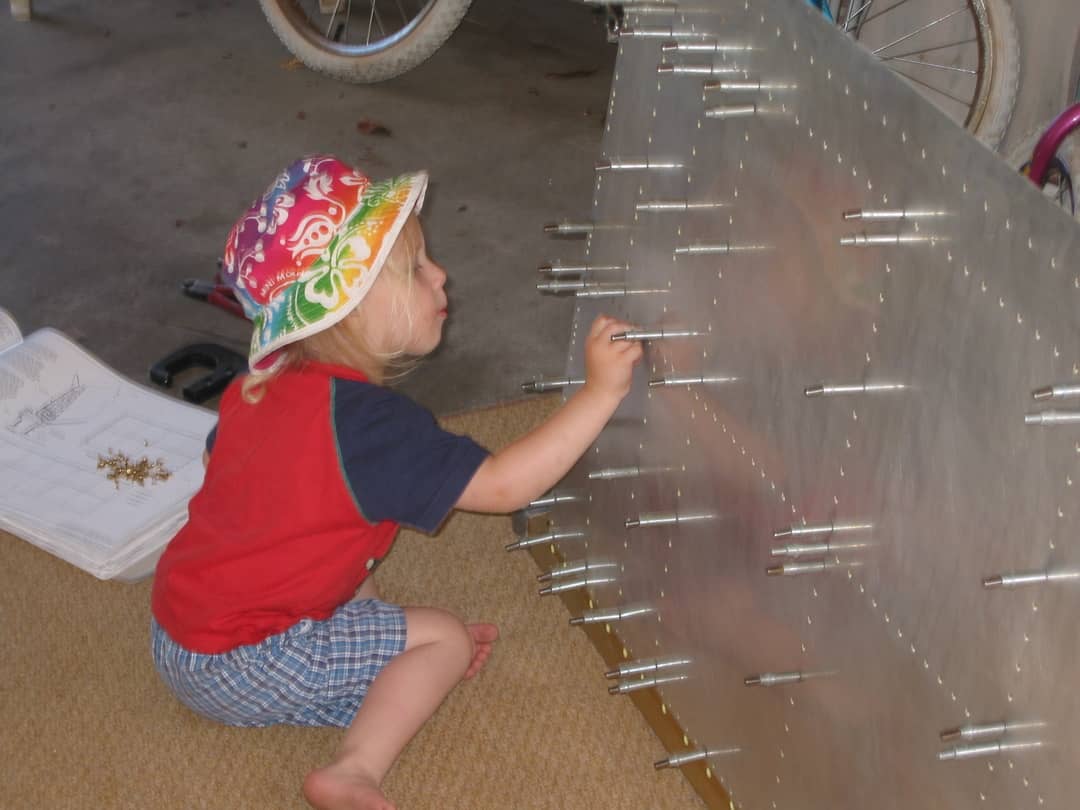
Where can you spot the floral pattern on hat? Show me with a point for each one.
(306, 252)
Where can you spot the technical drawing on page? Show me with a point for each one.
(48, 415)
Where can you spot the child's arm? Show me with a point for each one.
(531, 465)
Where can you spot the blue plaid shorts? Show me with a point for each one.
(316, 673)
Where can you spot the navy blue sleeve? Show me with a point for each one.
(398, 462)
(210, 438)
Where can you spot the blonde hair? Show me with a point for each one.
(347, 343)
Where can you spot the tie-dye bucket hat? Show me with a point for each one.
(305, 253)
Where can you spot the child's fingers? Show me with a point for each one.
(599, 324)
(617, 327)
(607, 325)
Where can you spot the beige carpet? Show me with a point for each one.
(87, 724)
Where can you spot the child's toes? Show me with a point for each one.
(482, 632)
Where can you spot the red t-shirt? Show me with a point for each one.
(302, 498)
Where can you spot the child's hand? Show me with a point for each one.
(531, 465)
(609, 364)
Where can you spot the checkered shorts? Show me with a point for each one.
(316, 673)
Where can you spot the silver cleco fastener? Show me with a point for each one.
(666, 68)
(624, 687)
(1056, 392)
(687, 757)
(656, 334)
(709, 46)
(580, 269)
(974, 732)
(747, 86)
(540, 386)
(573, 568)
(805, 549)
(617, 473)
(656, 206)
(617, 165)
(638, 7)
(570, 228)
(554, 499)
(809, 567)
(984, 730)
(987, 749)
(822, 528)
(872, 239)
(563, 286)
(601, 291)
(732, 111)
(1052, 418)
(662, 32)
(834, 389)
(668, 519)
(591, 289)
(714, 248)
(658, 382)
(576, 584)
(887, 214)
(1021, 578)
(612, 614)
(540, 539)
(703, 249)
(781, 678)
(646, 666)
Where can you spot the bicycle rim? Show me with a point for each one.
(948, 51)
(355, 28)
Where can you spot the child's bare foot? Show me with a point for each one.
(483, 636)
(336, 787)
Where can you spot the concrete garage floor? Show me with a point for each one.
(133, 135)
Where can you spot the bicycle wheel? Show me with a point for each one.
(367, 41)
(963, 55)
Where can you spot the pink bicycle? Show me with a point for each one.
(1054, 157)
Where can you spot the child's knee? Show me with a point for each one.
(435, 626)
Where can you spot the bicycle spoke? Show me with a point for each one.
(929, 25)
(854, 16)
(379, 22)
(330, 25)
(928, 86)
(941, 47)
(370, 27)
(930, 65)
(884, 11)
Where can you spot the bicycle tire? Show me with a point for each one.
(993, 98)
(1005, 75)
(429, 30)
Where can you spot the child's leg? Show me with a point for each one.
(439, 651)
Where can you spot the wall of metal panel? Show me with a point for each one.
(831, 518)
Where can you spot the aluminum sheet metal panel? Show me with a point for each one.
(824, 462)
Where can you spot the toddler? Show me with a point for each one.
(264, 607)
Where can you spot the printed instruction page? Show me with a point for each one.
(60, 408)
